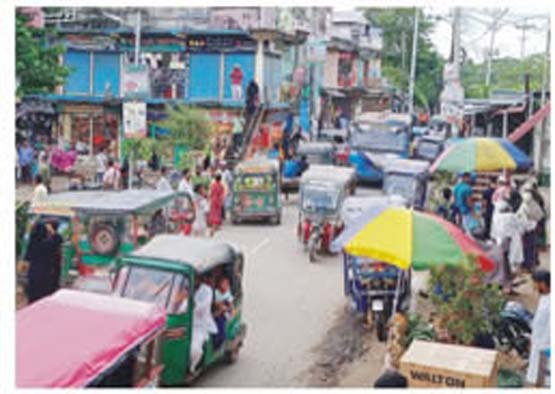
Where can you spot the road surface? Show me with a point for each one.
(289, 305)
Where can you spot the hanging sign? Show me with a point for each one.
(135, 81)
(134, 120)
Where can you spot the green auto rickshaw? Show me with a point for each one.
(168, 271)
(99, 226)
(256, 191)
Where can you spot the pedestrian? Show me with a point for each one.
(251, 99)
(541, 228)
(530, 214)
(236, 77)
(201, 211)
(505, 224)
(227, 178)
(185, 182)
(540, 339)
(237, 133)
(163, 183)
(43, 254)
(216, 196)
(112, 176)
(503, 189)
(44, 167)
(487, 206)
(203, 322)
(464, 203)
(26, 159)
(101, 161)
(40, 192)
(444, 207)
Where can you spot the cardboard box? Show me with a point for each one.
(430, 364)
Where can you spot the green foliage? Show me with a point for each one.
(506, 73)
(188, 126)
(417, 329)
(138, 148)
(466, 305)
(37, 64)
(396, 24)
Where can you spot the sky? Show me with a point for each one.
(475, 37)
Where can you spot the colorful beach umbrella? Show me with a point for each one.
(404, 237)
(481, 155)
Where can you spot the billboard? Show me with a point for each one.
(134, 120)
(135, 82)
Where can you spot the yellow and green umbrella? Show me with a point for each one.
(404, 237)
(478, 154)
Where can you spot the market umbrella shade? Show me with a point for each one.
(404, 237)
(482, 155)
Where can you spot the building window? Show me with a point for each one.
(345, 70)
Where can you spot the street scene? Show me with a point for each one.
(241, 197)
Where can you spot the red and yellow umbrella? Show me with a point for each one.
(404, 237)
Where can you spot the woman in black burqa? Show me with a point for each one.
(45, 257)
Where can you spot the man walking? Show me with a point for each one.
(184, 184)
(163, 183)
(26, 158)
(464, 203)
(111, 178)
(101, 160)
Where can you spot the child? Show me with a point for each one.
(223, 296)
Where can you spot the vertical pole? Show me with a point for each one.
(137, 37)
(413, 62)
(490, 55)
(505, 123)
(539, 138)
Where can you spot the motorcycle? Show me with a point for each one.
(514, 329)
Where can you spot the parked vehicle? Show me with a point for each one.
(166, 272)
(342, 173)
(408, 179)
(514, 329)
(99, 226)
(315, 153)
(256, 191)
(429, 147)
(371, 150)
(340, 139)
(377, 290)
(75, 339)
(320, 201)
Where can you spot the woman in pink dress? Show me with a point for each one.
(217, 194)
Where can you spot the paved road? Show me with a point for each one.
(289, 305)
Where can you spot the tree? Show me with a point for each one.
(189, 127)
(38, 69)
(397, 25)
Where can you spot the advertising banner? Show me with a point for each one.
(134, 120)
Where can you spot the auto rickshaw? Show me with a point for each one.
(429, 147)
(74, 339)
(99, 226)
(377, 290)
(408, 179)
(166, 272)
(340, 139)
(256, 191)
(321, 198)
(343, 173)
(315, 153)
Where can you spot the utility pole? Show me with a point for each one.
(413, 62)
(403, 50)
(137, 51)
(494, 27)
(539, 139)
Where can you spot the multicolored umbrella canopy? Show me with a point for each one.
(405, 238)
(481, 155)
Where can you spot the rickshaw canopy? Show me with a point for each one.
(199, 253)
(106, 202)
(407, 166)
(311, 148)
(259, 165)
(340, 176)
(71, 338)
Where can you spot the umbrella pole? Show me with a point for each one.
(396, 298)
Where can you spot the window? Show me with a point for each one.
(403, 185)
(151, 285)
(319, 199)
(255, 183)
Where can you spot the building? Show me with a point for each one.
(186, 56)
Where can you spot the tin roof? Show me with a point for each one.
(71, 337)
(200, 253)
(115, 202)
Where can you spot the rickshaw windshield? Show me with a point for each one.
(164, 288)
(428, 149)
(400, 184)
(319, 199)
(255, 182)
(320, 158)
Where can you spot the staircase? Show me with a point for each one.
(251, 127)
(529, 125)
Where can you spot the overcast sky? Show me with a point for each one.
(475, 37)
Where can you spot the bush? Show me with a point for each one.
(465, 305)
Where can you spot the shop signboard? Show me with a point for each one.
(135, 81)
(134, 119)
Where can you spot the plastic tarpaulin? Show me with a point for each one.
(71, 337)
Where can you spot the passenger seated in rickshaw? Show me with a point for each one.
(157, 223)
(223, 309)
(203, 321)
(181, 301)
